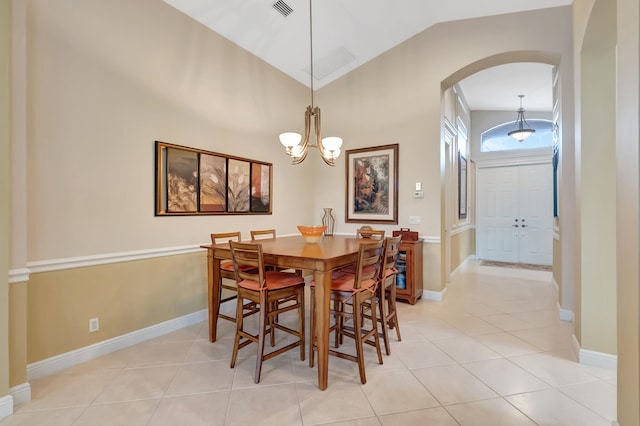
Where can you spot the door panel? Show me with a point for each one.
(496, 213)
(515, 214)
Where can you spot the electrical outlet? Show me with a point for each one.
(94, 325)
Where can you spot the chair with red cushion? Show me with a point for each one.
(387, 311)
(351, 296)
(227, 273)
(266, 289)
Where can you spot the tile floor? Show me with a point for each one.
(492, 353)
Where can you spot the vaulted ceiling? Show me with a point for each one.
(349, 33)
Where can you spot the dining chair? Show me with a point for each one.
(351, 296)
(270, 233)
(386, 292)
(263, 233)
(266, 289)
(366, 233)
(228, 273)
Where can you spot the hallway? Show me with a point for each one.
(492, 353)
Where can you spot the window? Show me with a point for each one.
(496, 139)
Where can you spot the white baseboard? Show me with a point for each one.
(434, 295)
(565, 314)
(69, 359)
(21, 393)
(6, 406)
(598, 359)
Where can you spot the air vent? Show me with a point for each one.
(284, 9)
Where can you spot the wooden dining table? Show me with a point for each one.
(322, 257)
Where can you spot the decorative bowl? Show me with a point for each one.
(312, 233)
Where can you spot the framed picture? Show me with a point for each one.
(192, 181)
(372, 184)
(462, 187)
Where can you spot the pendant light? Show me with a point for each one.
(521, 130)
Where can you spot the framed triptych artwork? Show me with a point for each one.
(192, 181)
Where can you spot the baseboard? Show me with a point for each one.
(69, 359)
(21, 393)
(565, 314)
(598, 359)
(434, 295)
(6, 406)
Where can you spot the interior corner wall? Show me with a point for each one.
(628, 210)
(5, 191)
(598, 182)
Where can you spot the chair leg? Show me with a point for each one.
(261, 334)
(374, 326)
(393, 310)
(357, 331)
(385, 330)
(312, 326)
(239, 325)
(301, 322)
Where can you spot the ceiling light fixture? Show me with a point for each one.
(296, 146)
(521, 129)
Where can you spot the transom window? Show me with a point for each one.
(496, 138)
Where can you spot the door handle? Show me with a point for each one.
(515, 226)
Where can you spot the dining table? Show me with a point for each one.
(293, 252)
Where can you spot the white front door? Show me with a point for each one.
(515, 214)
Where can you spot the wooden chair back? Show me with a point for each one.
(245, 255)
(263, 233)
(390, 256)
(224, 237)
(369, 262)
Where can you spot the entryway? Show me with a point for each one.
(515, 214)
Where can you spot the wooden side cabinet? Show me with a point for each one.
(409, 266)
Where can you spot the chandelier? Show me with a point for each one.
(296, 145)
(521, 129)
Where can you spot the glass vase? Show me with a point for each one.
(328, 220)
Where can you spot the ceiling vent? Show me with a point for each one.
(284, 9)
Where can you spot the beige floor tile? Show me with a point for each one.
(433, 329)
(203, 350)
(422, 354)
(57, 417)
(452, 384)
(208, 409)
(473, 325)
(395, 392)
(553, 369)
(553, 408)
(507, 322)
(275, 371)
(432, 417)
(138, 383)
(133, 413)
(489, 412)
(599, 396)
(505, 377)
(465, 349)
(269, 405)
(341, 401)
(506, 344)
(201, 377)
(369, 421)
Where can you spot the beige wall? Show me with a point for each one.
(17, 333)
(126, 296)
(5, 191)
(597, 184)
(628, 213)
(463, 245)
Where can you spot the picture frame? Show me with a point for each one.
(372, 184)
(191, 181)
(462, 187)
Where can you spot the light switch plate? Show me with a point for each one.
(415, 220)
